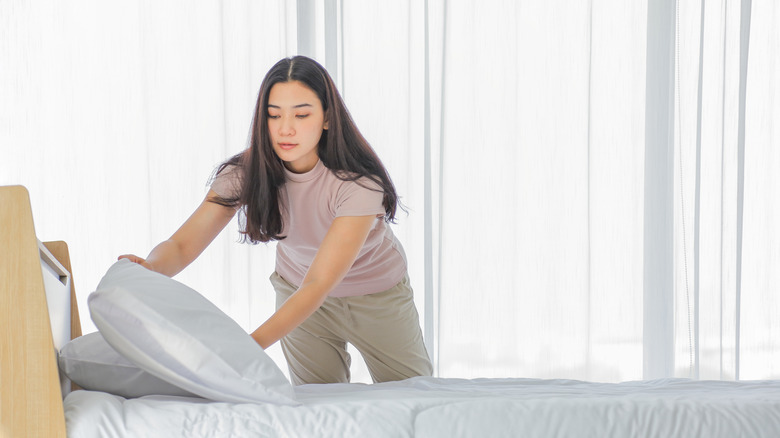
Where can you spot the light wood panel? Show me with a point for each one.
(30, 398)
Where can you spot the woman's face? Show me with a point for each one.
(295, 120)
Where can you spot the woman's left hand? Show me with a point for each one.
(336, 254)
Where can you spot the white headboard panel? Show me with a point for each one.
(56, 282)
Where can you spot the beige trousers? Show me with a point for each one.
(384, 327)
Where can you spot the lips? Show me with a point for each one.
(287, 146)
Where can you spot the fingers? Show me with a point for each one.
(133, 258)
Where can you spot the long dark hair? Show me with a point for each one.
(342, 149)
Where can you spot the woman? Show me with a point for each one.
(310, 181)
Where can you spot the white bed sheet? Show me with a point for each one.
(436, 407)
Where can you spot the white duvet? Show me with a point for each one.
(436, 407)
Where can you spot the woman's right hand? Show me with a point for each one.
(135, 259)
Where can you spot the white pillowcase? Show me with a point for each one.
(92, 364)
(174, 333)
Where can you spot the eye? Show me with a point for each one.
(301, 116)
(271, 116)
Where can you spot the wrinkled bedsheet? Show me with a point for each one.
(438, 407)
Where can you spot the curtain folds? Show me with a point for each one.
(518, 136)
(725, 148)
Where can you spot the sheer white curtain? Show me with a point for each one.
(728, 157)
(760, 274)
(541, 190)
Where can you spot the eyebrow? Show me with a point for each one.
(296, 106)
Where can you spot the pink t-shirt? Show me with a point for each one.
(314, 199)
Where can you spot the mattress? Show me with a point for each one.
(438, 407)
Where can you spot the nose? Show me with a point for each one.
(286, 126)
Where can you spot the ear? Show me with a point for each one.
(325, 124)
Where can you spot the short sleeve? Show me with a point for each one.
(353, 199)
(227, 184)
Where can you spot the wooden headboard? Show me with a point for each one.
(30, 397)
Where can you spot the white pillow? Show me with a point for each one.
(174, 333)
(92, 364)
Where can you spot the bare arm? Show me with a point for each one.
(335, 256)
(173, 255)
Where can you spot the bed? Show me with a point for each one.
(37, 399)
